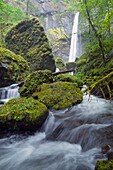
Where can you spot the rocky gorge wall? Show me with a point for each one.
(57, 21)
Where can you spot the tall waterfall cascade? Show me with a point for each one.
(73, 46)
(9, 92)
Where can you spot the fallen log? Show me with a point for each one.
(20, 84)
(63, 72)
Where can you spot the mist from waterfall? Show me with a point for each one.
(73, 46)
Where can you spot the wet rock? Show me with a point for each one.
(82, 167)
(13, 67)
(29, 40)
(108, 151)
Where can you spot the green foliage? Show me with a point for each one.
(60, 64)
(96, 17)
(104, 165)
(9, 15)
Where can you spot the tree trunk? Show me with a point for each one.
(94, 30)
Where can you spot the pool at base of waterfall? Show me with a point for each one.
(70, 139)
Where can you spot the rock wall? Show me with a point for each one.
(57, 21)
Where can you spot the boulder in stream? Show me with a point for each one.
(59, 95)
(22, 115)
(33, 81)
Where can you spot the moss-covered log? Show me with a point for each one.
(103, 87)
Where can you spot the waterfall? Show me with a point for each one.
(9, 92)
(73, 46)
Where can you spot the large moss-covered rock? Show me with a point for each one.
(59, 95)
(33, 81)
(29, 39)
(22, 114)
(13, 67)
(104, 165)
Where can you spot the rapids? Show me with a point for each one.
(70, 139)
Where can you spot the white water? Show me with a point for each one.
(9, 92)
(70, 139)
(73, 46)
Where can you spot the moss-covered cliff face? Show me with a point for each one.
(13, 67)
(29, 40)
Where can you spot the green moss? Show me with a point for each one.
(29, 40)
(33, 81)
(104, 165)
(22, 111)
(81, 61)
(70, 65)
(60, 64)
(103, 87)
(69, 78)
(16, 66)
(59, 95)
(57, 33)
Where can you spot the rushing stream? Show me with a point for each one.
(70, 139)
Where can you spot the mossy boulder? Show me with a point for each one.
(29, 40)
(22, 114)
(13, 67)
(59, 95)
(70, 65)
(104, 165)
(69, 78)
(60, 64)
(33, 81)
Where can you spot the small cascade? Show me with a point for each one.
(73, 46)
(57, 70)
(9, 92)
